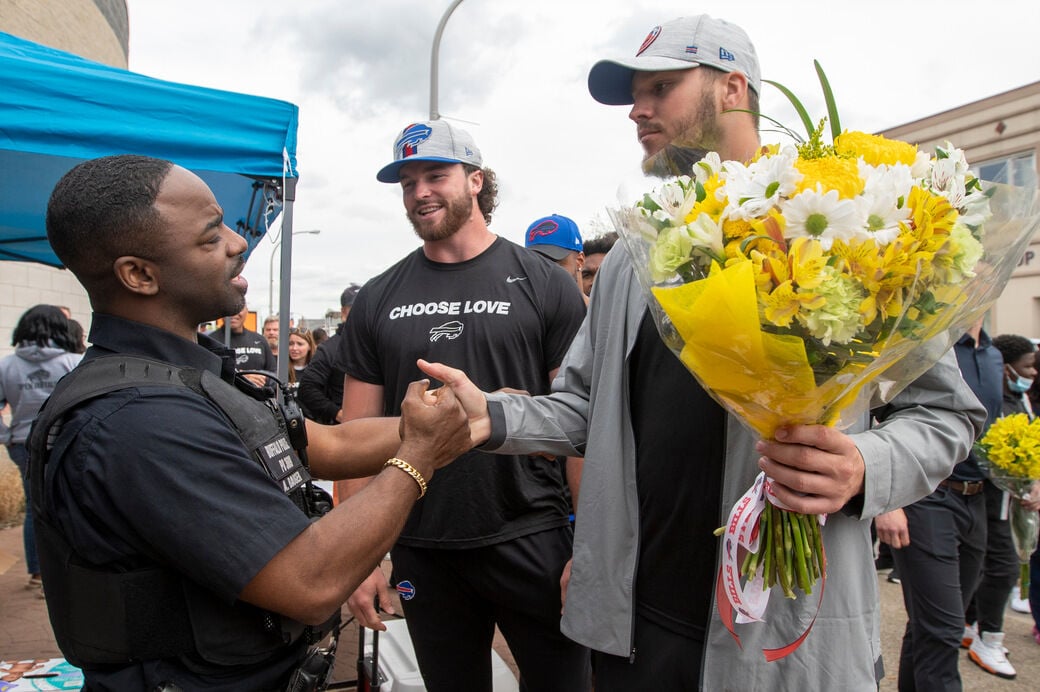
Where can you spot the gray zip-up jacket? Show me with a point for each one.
(27, 378)
(924, 431)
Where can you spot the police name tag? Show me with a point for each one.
(282, 463)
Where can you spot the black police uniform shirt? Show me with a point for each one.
(252, 352)
(159, 472)
(505, 317)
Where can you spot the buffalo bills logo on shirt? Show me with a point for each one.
(411, 138)
(650, 38)
(547, 227)
(449, 330)
(405, 590)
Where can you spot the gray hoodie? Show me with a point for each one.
(27, 378)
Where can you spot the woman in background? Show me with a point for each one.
(45, 349)
(301, 350)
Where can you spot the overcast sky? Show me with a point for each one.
(513, 73)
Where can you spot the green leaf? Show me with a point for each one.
(828, 96)
(649, 204)
(701, 192)
(799, 108)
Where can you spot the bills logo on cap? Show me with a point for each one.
(650, 38)
(411, 138)
(547, 227)
(405, 590)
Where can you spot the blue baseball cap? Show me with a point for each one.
(434, 140)
(553, 236)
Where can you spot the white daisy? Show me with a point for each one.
(821, 215)
(755, 189)
(882, 205)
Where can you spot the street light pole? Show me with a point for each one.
(434, 115)
(270, 274)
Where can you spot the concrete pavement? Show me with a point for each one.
(25, 632)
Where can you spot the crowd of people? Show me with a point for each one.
(580, 470)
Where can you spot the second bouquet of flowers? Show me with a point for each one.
(808, 283)
(1009, 453)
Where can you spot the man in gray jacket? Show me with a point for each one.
(664, 462)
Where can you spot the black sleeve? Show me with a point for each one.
(313, 386)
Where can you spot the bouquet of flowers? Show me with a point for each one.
(1009, 453)
(808, 283)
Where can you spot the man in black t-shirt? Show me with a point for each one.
(252, 351)
(489, 543)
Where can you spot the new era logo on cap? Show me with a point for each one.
(435, 140)
(680, 44)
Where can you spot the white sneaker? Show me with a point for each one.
(987, 652)
(970, 633)
(1020, 605)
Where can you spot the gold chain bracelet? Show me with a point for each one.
(411, 471)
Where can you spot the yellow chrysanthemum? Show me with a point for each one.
(875, 149)
(831, 173)
(736, 228)
(710, 205)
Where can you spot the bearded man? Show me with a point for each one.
(487, 545)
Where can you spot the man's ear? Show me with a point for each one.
(734, 86)
(137, 275)
(476, 181)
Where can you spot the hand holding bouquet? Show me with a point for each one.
(808, 283)
(1009, 453)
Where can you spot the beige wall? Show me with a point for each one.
(83, 27)
(999, 126)
(96, 30)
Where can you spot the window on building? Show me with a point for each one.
(1017, 169)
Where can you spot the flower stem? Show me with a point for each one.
(801, 569)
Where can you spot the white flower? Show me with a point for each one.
(707, 234)
(708, 166)
(882, 205)
(814, 214)
(755, 189)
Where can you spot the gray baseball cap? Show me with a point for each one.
(434, 140)
(680, 44)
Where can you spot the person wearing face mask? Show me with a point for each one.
(1000, 568)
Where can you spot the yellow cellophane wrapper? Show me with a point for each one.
(765, 378)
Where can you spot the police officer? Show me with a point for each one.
(175, 551)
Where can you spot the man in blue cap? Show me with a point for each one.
(557, 238)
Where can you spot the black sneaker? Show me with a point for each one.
(893, 577)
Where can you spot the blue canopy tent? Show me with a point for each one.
(58, 109)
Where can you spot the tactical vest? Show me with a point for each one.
(104, 616)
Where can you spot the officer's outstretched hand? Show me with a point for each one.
(469, 394)
(434, 428)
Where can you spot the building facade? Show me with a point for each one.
(1000, 136)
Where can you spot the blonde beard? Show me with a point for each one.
(672, 161)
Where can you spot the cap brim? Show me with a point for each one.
(553, 252)
(390, 173)
(610, 81)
